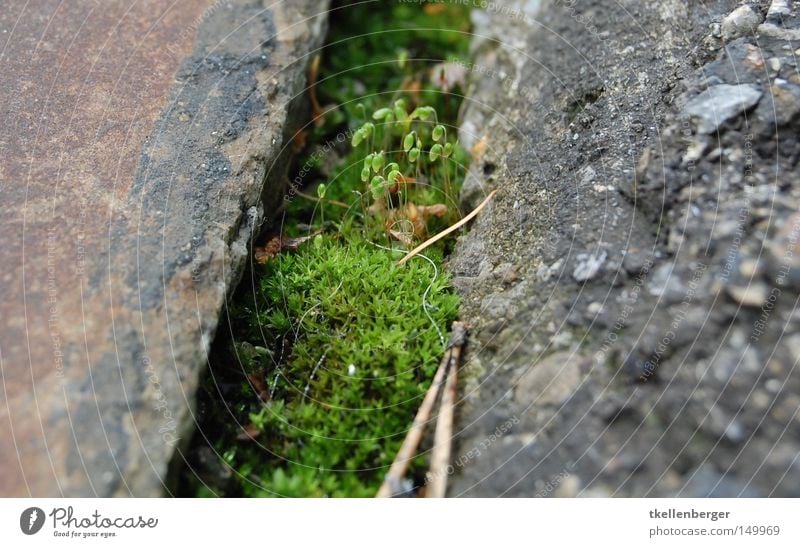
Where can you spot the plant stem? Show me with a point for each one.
(448, 231)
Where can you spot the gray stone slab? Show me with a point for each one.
(138, 142)
(668, 368)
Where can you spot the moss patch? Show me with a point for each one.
(362, 351)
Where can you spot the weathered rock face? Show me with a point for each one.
(641, 254)
(138, 141)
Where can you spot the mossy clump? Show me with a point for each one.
(360, 342)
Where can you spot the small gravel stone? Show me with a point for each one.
(749, 268)
(589, 265)
(594, 308)
(752, 295)
(742, 21)
(720, 103)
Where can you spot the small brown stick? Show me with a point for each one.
(443, 438)
(317, 114)
(394, 477)
(448, 231)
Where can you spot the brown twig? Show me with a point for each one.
(448, 231)
(317, 114)
(394, 477)
(443, 438)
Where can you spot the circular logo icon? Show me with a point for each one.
(31, 520)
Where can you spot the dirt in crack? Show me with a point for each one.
(329, 346)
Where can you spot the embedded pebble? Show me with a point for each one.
(720, 103)
(753, 295)
(589, 265)
(740, 22)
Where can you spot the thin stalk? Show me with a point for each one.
(448, 231)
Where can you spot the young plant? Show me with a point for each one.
(409, 171)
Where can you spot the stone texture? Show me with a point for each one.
(138, 141)
(690, 384)
(551, 381)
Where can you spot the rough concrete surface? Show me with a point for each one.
(137, 142)
(632, 289)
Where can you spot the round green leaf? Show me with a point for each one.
(425, 112)
(377, 162)
(376, 186)
(408, 142)
(436, 151)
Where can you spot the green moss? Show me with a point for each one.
(346, 343)
(332, 347)
(366, 350)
